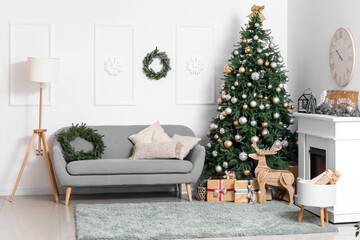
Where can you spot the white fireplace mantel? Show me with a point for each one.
(340, 137)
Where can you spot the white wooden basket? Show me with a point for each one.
(313, 195)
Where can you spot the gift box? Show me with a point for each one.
(246, 190)
(220, 190)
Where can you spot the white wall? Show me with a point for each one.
(311, 25)
(72, 40)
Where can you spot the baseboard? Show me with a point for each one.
(96, 190)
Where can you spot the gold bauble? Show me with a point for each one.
(297, 142)
(242, 69)
(247, 172)
(264, 124)
(260, 96)
(266, 97)
(267, 63)
(285, 105)
(244, 40)
(223, 95)
(281, 123)
(237, 137)
(223, 113)
(292, 106)
(228, 69)
(260, 61)
(245, 106)
(219, 140)
(247, 49)
(236, 123)
(228, 143)
(216, 136)
(208, 134)
(250, 70)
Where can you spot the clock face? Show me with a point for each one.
(342, 56)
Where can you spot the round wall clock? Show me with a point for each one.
(342, 56)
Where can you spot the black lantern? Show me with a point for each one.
(304, 100)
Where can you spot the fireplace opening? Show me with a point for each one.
(317, 161)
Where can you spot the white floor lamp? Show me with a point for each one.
(43, 71)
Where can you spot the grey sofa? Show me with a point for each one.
(115, 169)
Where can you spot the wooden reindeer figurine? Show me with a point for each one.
(266, 175)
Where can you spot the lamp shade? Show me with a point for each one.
(43, 70)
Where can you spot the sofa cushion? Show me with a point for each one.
(127, 166)
(157, 150)
(152, 134)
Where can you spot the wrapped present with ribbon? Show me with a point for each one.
(247, 191)
(220, 190)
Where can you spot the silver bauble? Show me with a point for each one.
(219, 108)
(257, 24)
(218, 169)
(256, 37)
(271, 45)
(242, 120)
(219, 101)
(228, 111)
(292, 121)
(276, 115)
(236, 52)
(269, 86)
(259, 50)
(238, 75)
(264, 132)
(249, 84)
(221, 117)
(254, 94)
(244, 96)
(277, 143)
(208, 145)
(227, 97)
(278, 89)
(225, 164)
(212, 126)
(276, 100)
(255, 76)
(232, 88)
(262, 107)
(254, 139)
(234, 100)
(285, 143)
(214, 153)
(243, 156)
(273, 64)
(349, 109)
(236, 83)
(253, 123)
(216, 126)
(281, 85)
(222, 131)
(253, 103)
(280, 59)
(267, 106)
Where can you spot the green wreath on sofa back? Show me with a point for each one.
(65, 137)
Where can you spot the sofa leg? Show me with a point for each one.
(188, 189)
(67, 197)
(180, 188)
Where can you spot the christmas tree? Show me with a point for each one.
(254, 105)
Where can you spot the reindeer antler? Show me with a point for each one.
(273, 150)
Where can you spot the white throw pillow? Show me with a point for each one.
(188, 144)
(152, 134)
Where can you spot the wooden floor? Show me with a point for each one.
(38, 217)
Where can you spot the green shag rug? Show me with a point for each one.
(171, 220)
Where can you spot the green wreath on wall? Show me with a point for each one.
(65, 137)
(164, 61)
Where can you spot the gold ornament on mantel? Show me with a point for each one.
(257, 9)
